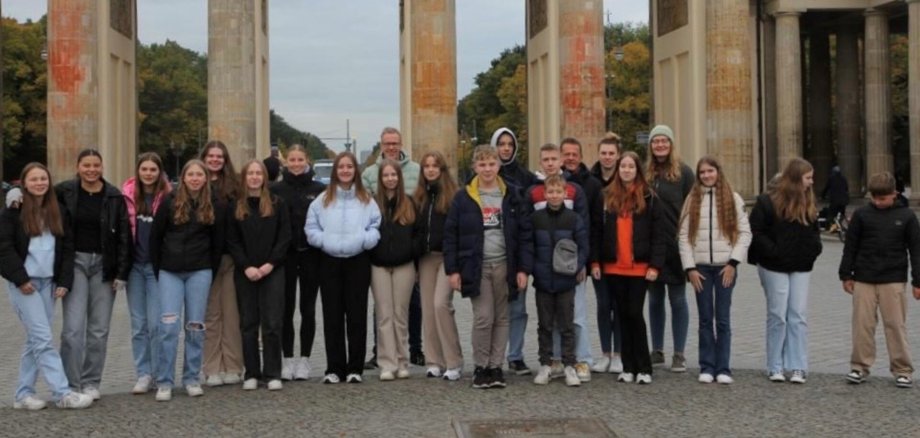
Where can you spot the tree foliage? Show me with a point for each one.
(284, 135)
(24, 95)
(629, 99)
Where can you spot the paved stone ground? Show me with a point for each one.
(674, 405)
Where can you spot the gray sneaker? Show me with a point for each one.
(657, 357)
(678, 363)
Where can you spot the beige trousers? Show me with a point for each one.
(891, 300)
(223, 343)
(392, 289)
(490, 317)
(440, 339)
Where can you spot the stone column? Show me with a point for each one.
(729, 133)
(847, 108)
(769, 167)
(914, 97)
(237, 76)
(819, 105)
(788, 87)
(72, 83)
(433, 77)
(878, 94)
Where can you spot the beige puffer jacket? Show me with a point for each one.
(712, 248)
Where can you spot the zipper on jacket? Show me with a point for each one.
(711, 255)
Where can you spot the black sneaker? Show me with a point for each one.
(856, 377)
(371, 364)
(497, 378)
(417, 358)
(481, 378)
(518, 367)
(657, 357)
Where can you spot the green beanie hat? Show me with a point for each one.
(661, 130)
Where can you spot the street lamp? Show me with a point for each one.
(618, 53)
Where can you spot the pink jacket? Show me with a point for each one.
(127, 190)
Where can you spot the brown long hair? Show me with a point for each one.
(266, 208)
(622, 199)
(724, 200)
(790, 199)
(404, 213)
(226, 184)
(37, 215)
(162, 185)
(669, 169)
(448, 187)
(360, 192)
(204, 212)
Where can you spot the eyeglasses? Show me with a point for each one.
(392, 144)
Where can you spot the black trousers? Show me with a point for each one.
(261, 305)
(556, 310)
(303, 266)
(344, 283)
(629, 293)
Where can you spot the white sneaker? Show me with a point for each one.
(433, 372)
(250, 385)
(542, 377)
(705, 378)
(571, 377)
(725, 379)
(30, 403)
(302, 368)
(275, 385)
(143, 385)
(616, 365)
(643, 378)
(331, 379)
(231, 379)
(402, 373)
(214, 380)
(353, 378)
(453, 374)
(602, 365)
(287, 368)
(798, 376)
(93, 392)
(386, 376)
(194, 390)
(74, 400)
(625, 378)
(777, 376)
(164, 394)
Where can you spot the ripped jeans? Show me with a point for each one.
(191, 290)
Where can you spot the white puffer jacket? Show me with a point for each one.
(712, 248)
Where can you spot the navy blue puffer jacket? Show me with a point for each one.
(549, 227)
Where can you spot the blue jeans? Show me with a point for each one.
(680, 314)
(607, 322)
(787, 325)
(582, 343)
(36, 311)
(517, 317)
(87, 317)
(191, 290)
(144, 306)
(715, 345)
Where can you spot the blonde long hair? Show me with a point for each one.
(266, 208)
(791, 201)
(360, 192)
(669, 169)
(204, 212)
(724, 200)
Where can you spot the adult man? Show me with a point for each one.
(391, 149)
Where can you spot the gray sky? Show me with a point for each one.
(333, 60)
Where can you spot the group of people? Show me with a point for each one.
(224, 254)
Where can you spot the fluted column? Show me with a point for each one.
(847, 108)
(788, 87)
(819, 104)
(878, 94)
(913, 60)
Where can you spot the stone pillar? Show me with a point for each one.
(914, 98)
(819, 105)
(238, 77)
(770, 166)
(878, 94)
(432, 78)
(729, 133)
(92, 85)
(788, 87)
(847, 109)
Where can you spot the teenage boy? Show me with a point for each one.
(874, 270)
(574, 199)
(487, 244)
(555, 289)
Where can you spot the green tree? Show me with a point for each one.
(629, 99)
(285, 135)
(24, 95)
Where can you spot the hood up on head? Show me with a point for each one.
(494, 142)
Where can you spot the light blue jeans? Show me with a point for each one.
(178, 289)
(787, 325)
(87, 317)
(144, 306)
(582, 343)
(36, 311)
(517, 318)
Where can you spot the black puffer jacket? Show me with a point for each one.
(298, 192)
(399, 244)
(876, 243)
(672, 195)
(779, 245)
(432, 222)
(14, 247)
(114, 226)
(599, 175)
(186, 247)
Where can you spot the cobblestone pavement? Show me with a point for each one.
(674, 405)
